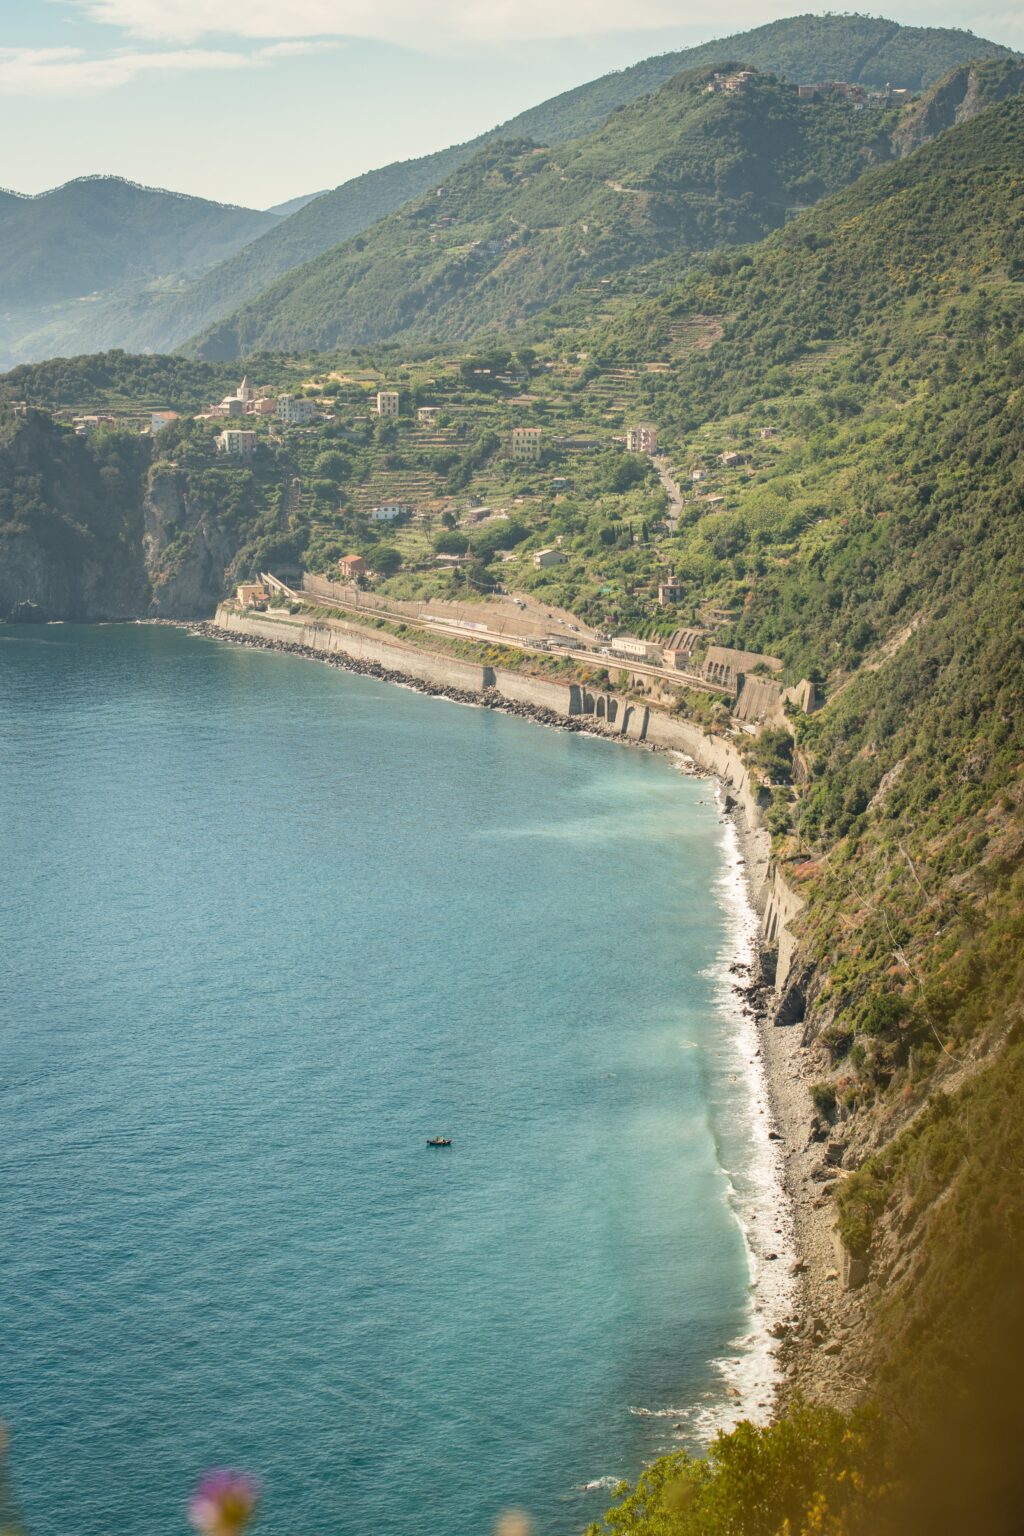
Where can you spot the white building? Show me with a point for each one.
(642, 439)
(387, 402)
(546, 557)
(632, 649)
(390, 511)
(295, 410)
(238, 444)
(428, 415)
(526, 444)
(85, 426)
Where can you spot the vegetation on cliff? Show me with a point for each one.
(70, 519)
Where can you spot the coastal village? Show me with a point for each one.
(397, 544)
(688, 656)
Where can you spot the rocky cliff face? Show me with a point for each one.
(70, 523)
(92, 530)
(186, 551)
(960, 96)
(39, 583)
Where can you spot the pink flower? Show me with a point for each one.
(223, 1503)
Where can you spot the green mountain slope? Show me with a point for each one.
(878, 544)
(800, 49)
(519, 226)
(807, 48)
(285, 210)
(98, 233)
(958, 97)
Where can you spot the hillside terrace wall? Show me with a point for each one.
(612, 715)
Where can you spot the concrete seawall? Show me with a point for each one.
(604, 712)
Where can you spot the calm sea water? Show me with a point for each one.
(265, 928)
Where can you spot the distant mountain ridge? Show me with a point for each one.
(693, 165)
(143, 186)
(802, 48)
(286, 209)
(97, 232)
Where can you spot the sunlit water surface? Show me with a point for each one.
(265, 928)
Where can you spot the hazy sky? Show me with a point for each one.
(255, 101)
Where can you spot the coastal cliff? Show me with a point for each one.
(70, 524)
(185, 547)
(92, 529)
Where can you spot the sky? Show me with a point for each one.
(259, 101)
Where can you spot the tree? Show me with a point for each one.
(386, 560)
(330, 465)
(451, 543)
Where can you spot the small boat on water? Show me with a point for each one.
(439, 1141)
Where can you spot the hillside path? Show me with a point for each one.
(672, 490)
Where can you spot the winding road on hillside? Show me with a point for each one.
(672, 490)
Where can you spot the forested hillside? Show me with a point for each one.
(64, 253)
(100, 232)
(520, 226)
(802, 48)
(799, 49)
(880, 337)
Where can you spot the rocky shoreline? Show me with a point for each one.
(487, 698)
(818, 1337)
(814, 1338)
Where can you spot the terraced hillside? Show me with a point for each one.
(802, 48)
(519, 226)
(847, 392)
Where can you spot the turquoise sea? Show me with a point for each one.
(265, 928)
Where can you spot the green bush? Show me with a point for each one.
(823, 1097)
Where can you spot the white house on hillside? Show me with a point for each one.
(295, 410)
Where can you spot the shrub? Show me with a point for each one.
(823, 1097)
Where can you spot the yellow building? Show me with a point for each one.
(526, 444)
(387, 402)
(251, 593)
